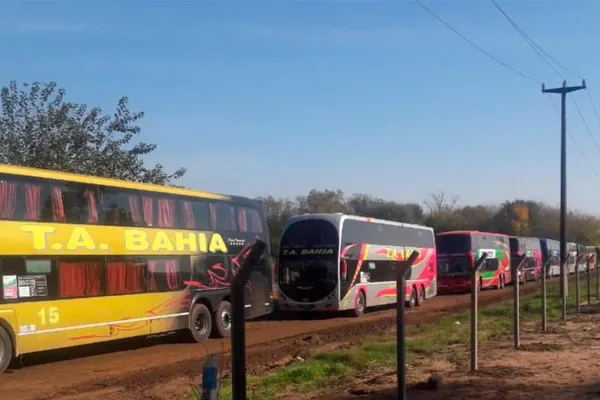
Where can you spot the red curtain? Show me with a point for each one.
(166, 213)
(188, 215)
(58, 206)
(231, 225)
(172, 275)
(148, 210)
(213, 216)
(152, 286)
(80, 279)
(125, 277)
(32, 202)
(92, 207)
(134, 209)
(8, 200)
(242, 219)
(256, 222)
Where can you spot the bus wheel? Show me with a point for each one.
(200, 322)
(421, 297)
(222, 321)
(359, 304)
(6, 350)
(413, 298)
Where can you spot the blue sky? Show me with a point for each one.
(278, 97)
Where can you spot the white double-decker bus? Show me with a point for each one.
(334, 262)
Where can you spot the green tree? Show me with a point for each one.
(39, 128)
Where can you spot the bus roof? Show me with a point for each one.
(94, 180)
(341, 217)
(470, 233)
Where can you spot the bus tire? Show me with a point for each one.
(412, 303)
(200, 322)
(221, 327)
(421, 297)
(6, 350)
(360, 304)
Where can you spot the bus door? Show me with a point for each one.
(258, 289)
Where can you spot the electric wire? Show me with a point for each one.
(545, 56)
(476, 46)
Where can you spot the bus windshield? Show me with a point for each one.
(308, 260)
(454, 266)
(453, 244)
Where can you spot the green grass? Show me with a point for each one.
(447, 338)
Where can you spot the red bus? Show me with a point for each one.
(457, 252)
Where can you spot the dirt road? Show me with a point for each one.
(160, 369)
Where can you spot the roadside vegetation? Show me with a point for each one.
(447, 339)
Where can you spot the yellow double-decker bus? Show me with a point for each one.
(86, 259)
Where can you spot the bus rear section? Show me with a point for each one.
(531, 249)
(455, 261)
(307, 272)
(571, 257)
(359, 254)
(551, 256)
(458, 252)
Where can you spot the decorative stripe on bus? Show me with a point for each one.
(101, 324)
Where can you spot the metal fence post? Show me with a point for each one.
(577, 284)
(545, 294)
(474, 310)
(402, 267)
(248, 258)
(516, 302)
(588, 263)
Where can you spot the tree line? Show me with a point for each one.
(40, 128)
(439, 211)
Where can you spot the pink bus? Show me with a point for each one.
(342, 262)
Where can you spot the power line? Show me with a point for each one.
(545, 56)
(476, 46)
(574, 141)
(537, 48)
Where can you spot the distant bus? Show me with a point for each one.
(340, 262)
(531, 248)
(86, 260)
(457, 252)
(551, 251)
(584, 253)
(571, 257)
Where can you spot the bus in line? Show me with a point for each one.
(571, 257)
(551, 252)
(457, 252)
(87, 259)
(531, 248)
(336, 262)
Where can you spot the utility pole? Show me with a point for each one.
(563, 183)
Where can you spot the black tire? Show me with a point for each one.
(221, 327)
(360, 304)
(412, 303)
(200, 323)
(421, 297)
(6, 350)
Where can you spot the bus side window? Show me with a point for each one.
(26, 280)
(168, 274)
(212, 271)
